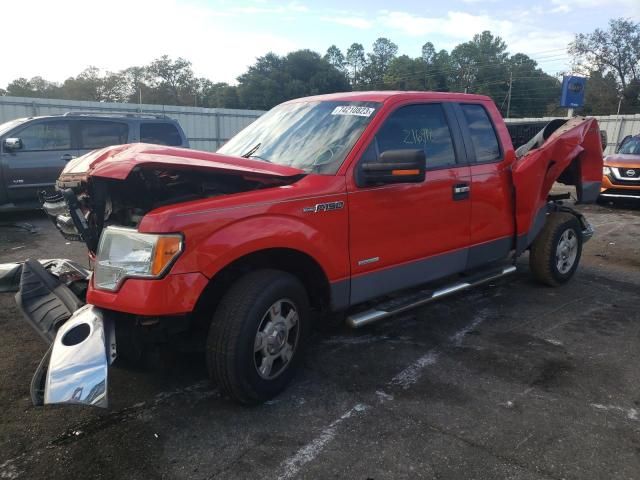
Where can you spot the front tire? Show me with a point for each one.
(257, 335)
(556, 251)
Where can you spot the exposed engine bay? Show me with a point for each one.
(81, 208)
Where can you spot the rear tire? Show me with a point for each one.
(257, 336)
(556, 251)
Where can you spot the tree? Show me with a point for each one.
(356, 61)
(428, 53)
(91, 85)
(274, 79)
(137, 84)
(405, 73)
(480, 65)
(617, 50)
(384, 51)
(533, 92)
(36, 87)
(173, 81)
(631, 97)
(601, 94)
(217, 95)
(440, 75)
(335, 57)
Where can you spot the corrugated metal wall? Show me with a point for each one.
(206, 128)
(616, 126)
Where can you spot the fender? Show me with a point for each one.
(572, 155)
(258, 233)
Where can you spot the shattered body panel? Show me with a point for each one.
(572, 155)
(118, 162)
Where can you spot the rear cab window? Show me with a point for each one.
(412, 127)
(160, 134)
(96, 134)
(483, 136)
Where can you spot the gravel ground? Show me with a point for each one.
(512, 380)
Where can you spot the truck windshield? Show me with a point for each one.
(312, 136)
(5, 127)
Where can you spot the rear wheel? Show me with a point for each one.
(555, 253)
(257, 335)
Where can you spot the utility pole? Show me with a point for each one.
(509, 98)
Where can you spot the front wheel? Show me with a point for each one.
(257, 335)
(555, 253)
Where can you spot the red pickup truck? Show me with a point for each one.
(367, 203)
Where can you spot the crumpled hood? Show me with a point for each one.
(118, 161)
(622, 160)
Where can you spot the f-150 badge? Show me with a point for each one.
(324, 207)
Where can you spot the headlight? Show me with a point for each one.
(125, 253)
(606, 170)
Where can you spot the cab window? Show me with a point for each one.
(483, 135)
(97, 134)
(160, 133)
(55, 135)
(418, 127)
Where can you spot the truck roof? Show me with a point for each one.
(383, 96)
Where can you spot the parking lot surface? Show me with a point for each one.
(511, 380)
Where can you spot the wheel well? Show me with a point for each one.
(297, 263)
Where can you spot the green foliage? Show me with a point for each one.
(355, 61)
(274, 79)
(615, 50)
(601, 94)
(335, 57)
(378, 62)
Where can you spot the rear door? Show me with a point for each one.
(46, 148)
(403, 235)
(492, 216)
(95, 134)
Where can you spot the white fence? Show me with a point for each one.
(616, 126)
(206, 128)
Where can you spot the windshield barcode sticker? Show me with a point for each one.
(353, 110)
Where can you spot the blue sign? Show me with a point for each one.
(572, 91)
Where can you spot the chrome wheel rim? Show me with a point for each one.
(276, 339)
(566, 251)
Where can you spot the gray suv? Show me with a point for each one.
(33, 151)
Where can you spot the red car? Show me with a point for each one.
(324, 204)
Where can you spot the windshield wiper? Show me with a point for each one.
(259, 158)
(251, 151)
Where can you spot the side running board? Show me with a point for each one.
(395, 306)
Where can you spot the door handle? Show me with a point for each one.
(461, 191)
(66, 157)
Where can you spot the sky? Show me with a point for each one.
(58, 39)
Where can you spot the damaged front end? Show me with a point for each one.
(113, 187)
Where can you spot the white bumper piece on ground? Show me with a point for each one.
(84, 347)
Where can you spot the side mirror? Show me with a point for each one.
(395, 166)
(12, 144)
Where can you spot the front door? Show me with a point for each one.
(403, 235)
(46, 148)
